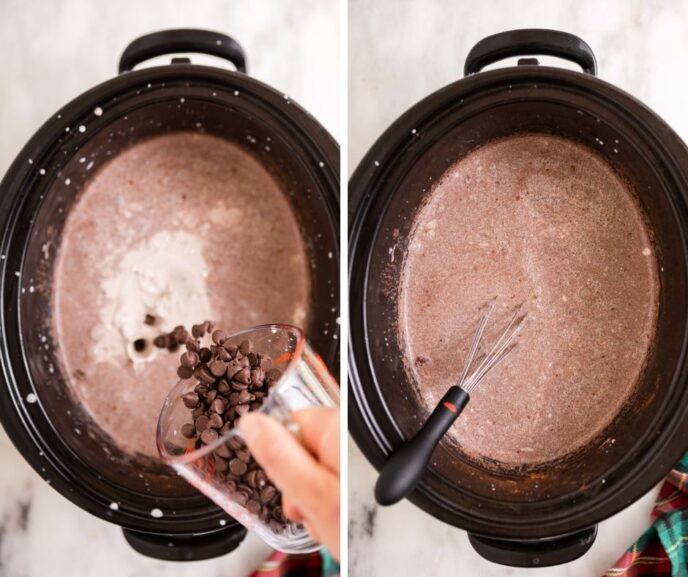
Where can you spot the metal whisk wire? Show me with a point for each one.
(501, 348)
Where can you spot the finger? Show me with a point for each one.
(320, 434)
(291, 511)
(291, 467)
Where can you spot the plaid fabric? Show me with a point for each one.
(310, 565)
(662, 551)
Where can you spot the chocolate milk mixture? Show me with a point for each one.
(542, 221)
(182, 228)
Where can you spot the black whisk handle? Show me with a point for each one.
(402, 472)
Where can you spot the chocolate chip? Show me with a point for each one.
(160, 341)
(244, 397)
(233, 367)
(149, 320)
(190, 400)
(223, 387)
(180, 334)
(219, 337)
(245, 347)
(243, 376)
(189, 359)
(230, 348)
(184, 372)
(209, 436)
(215, 421)
(205, 354)
(236, 443)
(244, 455)
(210, 397)
(223, 451)
(267, 493)
(240, 498)
(192, 345)
(201, 423)
(198, 411)
(237, 467)
(237, 386)
(251, 478)
(201, 389)
(221, 465)
(218, 367)
(140, 345)
(188, 430)
(253, 507)
(197, 331)
(241, 409)
(223, 355)
(218, 406)
(203, 374)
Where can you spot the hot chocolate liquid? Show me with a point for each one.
(177, 228)
(546, 222)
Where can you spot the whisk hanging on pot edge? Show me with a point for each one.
(402, 472)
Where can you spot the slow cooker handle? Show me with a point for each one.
(543, 553)
(530, 42)
(182, 40)
(186, 548)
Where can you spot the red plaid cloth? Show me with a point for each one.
(662, 551)
(283, 565)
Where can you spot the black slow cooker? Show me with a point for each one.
(519, 517)
(161, 515)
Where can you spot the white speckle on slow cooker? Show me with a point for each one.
(236, 93)
(66, 128)
(30, 160)
(647, 252)
(68, 181)
(77, 430)
(182, 100)
(114, 506)
(89, 166)
(329, 254)
(82, 159)
(157, 513)
(98, 111)
(376, 163)
(223, 522)
(41, 171)
(321, 164)
(31, 398)
(82, 128)
(218, 42)
(413, 131)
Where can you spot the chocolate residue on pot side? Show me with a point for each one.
(543, 221)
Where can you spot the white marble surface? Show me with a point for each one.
(401, 51)
(52, 51)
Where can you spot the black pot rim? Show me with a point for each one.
(192, 514)
(367, 181)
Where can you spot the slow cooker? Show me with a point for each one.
(530, 516)
(161, 515)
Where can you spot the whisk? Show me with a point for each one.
(401, 473)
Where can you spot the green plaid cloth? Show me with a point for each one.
(662, 551)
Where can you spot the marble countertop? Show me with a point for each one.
(401, 51)
(53, 51)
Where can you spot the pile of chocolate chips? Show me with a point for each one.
(231, 382)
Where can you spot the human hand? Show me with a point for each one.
(306, 472)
